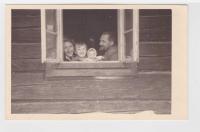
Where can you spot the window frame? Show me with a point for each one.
(121, 63)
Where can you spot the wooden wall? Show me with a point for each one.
(155, 40)
(26, 41)
(32, 93)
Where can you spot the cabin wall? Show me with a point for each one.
(32, 93)
(26, 41)
(155, 31)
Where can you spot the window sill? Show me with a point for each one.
(90, 69)
(93, 65)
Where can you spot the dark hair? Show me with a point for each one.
(111, 36)
(80, 43)
(68, 40)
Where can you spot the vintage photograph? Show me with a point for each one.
(77, 61)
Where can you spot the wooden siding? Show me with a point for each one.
(26, 51)
(155, 40)
(33, 93)
(77, 107)
(26, 41)
(99, 89)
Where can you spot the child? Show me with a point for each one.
(92, 55)
(80, 51)
(68, 50)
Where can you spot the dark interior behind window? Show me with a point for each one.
(87, 25)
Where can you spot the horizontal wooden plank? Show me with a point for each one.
(24, 43)
(30, 78)
(27, 78)
(155, 42)
(26, 21)
(25, 12)
(75, 107)
(155, 34)
(154, 63)
(155, 50)
(154, 12)
(154, 87)
(26, 51)
(25, 65)
(154, 22)
(32, 35)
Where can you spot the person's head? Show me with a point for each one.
(68, 48)
(81, 49)
(107, 40)
(91, 53)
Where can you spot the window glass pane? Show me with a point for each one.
(51, 45)
(128, 23)
(51, 34)
(128, 34)
(129, 44)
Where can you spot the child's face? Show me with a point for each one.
(68, 49)
(81, 50)
(92, 53)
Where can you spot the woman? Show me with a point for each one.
(68, 50)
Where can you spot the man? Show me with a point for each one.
(108, 46)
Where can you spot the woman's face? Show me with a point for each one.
(68, 49)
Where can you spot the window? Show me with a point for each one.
(94, 36)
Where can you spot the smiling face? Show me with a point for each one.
(68, 48)
(81, 50)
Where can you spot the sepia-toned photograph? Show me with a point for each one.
(88, 60)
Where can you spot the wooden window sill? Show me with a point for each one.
(90, 69)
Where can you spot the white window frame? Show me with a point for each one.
(136, 35)
(121, 38)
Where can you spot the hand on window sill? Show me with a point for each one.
(98, 58)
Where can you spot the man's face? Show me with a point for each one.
(105, 43)
(81, 50)
(68, 49)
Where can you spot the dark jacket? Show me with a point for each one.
(111, 54)
(67, 58)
